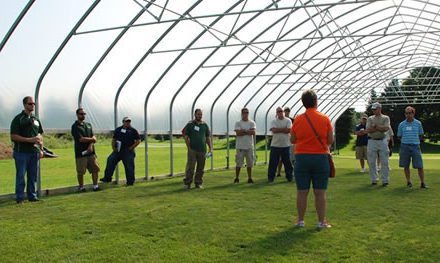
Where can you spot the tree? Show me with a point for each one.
(344, 127)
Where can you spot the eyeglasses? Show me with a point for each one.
(82, 113)
(245, 112)
(30, 103)
(127, 121)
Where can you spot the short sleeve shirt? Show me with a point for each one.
(26, 126)
(306, 141)
(244, 142)
(281, 139)
(83, 129)
(363, 139)
(127, 137)
(410, 131)
(197, 134)
(381, 120)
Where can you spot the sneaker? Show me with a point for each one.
(20, 202)
(278, 175)
(374, 183)
(250, 181)
(96, 189)
(424, 186)
(34, 200)
(409, 184)
(300, 224)
(323, 225)
(362, 170)
(385, 184)
(236, 181)
(81, 189)
(199, 186)
(186, 186)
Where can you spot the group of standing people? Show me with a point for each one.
(374, 141)
(311, 133)
(26, 133)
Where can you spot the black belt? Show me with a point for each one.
(376, 139)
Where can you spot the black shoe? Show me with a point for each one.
(129, 184)
(385, 184)
(278, 175)
(20, 202)
(424, 186)
(96, 189)
(236, 181)
(82, 190)
(250, 181)
(374, 183)
(409, 184)
(105, 180)
(34, 200)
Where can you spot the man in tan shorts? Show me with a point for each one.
(361, 142)
(85, 156)
(245, 131)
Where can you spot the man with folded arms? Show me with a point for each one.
(377, 125)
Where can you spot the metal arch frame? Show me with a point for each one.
(59, 50)
(17, 21)
(188, 79)
(153, 87)
(213, 78)
(227, 86)
(98, 63)
(49, 65)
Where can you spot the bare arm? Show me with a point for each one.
(18, 138)
(330, 138)
(208, 141)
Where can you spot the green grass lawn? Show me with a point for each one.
(158, 221)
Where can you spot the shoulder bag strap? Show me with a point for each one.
(316, 133)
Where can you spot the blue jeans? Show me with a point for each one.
(128, 161)
(26, 163)
(275, 154)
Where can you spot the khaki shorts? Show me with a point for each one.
(88, 162)
(241, 154)
(361, 152)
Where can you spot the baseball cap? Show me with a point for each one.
(375, 105)
(364, 116)
(126, 119)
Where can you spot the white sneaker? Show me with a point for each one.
(186, 186)
(300, 224)
(322, 225)
(362, 170)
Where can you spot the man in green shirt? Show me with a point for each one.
(26, 133)
(196, 134)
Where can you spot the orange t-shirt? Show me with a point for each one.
(306, 141)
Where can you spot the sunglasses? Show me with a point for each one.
(245, 112)
(82, 113)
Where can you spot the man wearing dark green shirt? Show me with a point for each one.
(26, 133)
(196, 134)
(85, 156)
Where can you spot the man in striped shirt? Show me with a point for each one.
(410, 132)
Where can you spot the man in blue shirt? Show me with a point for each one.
(362, 142)
(410, 132)
(125, 140)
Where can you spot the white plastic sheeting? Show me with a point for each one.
(159, 60)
